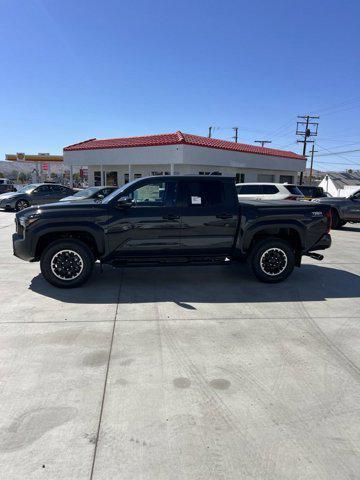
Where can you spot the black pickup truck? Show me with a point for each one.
(171, 220)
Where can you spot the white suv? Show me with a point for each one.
(268, 191)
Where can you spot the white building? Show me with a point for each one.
(341, 184)
(119, 160)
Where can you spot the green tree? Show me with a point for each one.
(1, 175)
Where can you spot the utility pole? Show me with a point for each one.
(263, 142)
(312, 162)
(235, 137)
(210, 129)
(306, 129)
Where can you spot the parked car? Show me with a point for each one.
(343, 209)
(268, 191)
(91, 193)
(311, 191)
(6, 185)
(34, 194)
(171, 220)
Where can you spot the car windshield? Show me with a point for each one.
(87, 192)
(118, 191)
(27, 188)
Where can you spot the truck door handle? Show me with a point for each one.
(171, 217)
(224, 215)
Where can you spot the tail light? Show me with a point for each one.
(328, 216)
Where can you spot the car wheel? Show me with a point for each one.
(335, 220)
(21, 205)
(67, 263)
(272, 260)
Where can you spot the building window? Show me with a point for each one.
(286, 179)
(111, 179)
(156, 173)
(126, 178)
(240, 178)
(97, 178)
(137, 175)
(264, 177)
(204, 173)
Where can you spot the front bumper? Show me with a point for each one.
(22, 248)
(322, 244)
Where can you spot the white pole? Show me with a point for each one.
(71, 177)
(130, 172)
(102, 175)
(171, 169)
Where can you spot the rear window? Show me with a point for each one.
(293, 189)
(203, 194)
(270, 189)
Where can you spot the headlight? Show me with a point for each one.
(26, 221)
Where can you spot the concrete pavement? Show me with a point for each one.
(181, 373)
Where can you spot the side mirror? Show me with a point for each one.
(124, 202)
(14, 189)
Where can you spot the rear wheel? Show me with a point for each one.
(272, 260)
(67, 263)
(21, 205)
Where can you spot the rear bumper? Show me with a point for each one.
(22, 248)
(322, 244)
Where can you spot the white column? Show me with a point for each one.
(71, 177)
(102, 175)
(130, 173)
(171, 169)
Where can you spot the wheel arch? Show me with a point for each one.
(89, 238)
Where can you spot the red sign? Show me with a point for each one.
(45, 167)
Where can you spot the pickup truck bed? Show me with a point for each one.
(171, 219)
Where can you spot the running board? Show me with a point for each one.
(315, 256)
(177, 261)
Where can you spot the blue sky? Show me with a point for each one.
(72, 70)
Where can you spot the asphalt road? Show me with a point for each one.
(191, 373)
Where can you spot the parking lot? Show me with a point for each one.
(190, 373)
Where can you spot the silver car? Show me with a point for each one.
(34, 194)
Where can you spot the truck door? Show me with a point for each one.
(151, 225)
(209, 215)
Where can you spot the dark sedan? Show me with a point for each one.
(34, 194)
(343, 209)
(91, 193)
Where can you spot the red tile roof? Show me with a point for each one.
(176, 139)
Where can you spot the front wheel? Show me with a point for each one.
(67, 263)
(21, 205)
(272, 260)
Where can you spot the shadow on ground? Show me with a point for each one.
(221, 284)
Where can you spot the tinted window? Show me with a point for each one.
(203, 194)
(250, 190)
(156, 193)
(42, 189)
(314, 192)
(270, 189)
(293, 189)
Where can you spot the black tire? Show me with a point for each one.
(271, 260)
(336, 222)
(21, 205)
(67, 263)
